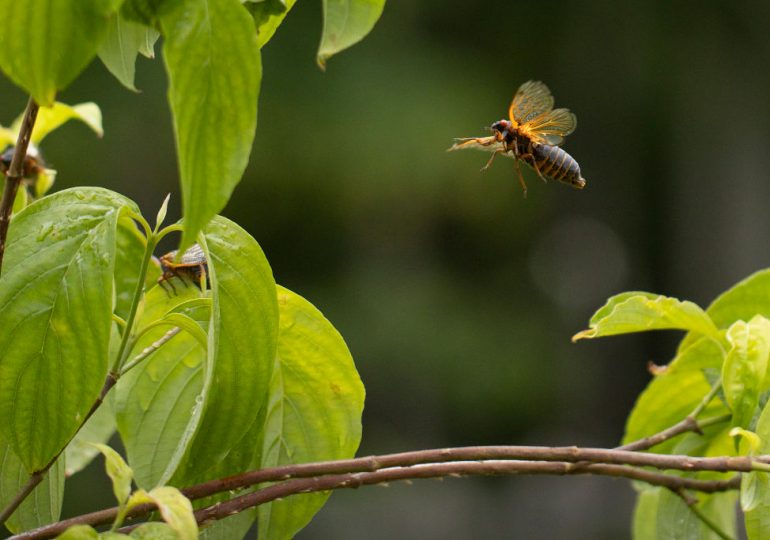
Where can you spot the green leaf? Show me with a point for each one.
(755, 487)
(55, 307)
(268, 16)
(52, 117)
(174, 507)
(188, 324)
(154, 531)
(241, 352)
(79, 532)
(154, 401)
(316, 402)
(639, 312)
(705, 353)
(161, 216)
(752, 439)
(43, 505)
(745, 367)
(660, 514)
(125, 39)
(50, 43)
(99, 428)
(346, 22)
(741, 302)
(214, 70)
(668, 399)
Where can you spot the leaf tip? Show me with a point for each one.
(584, 334)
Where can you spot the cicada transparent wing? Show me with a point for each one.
(532, 99)
(552, 127)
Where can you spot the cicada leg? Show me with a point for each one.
(165, 281)
(203, 278)
(534, 166)
(521, 177)
(491, 159)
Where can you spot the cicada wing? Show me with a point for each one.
(552, 127)
(532, 99)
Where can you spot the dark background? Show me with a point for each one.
(456, 295)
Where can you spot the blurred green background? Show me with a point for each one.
(456, 295)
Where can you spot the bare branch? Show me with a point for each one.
(443, 462)
(15, 173)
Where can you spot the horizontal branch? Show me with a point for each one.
(452, 469)
(464, 461)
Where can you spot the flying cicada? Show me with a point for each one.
(533, 135)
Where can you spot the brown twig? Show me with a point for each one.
(452, 469)
(15, 172)
(480, 460)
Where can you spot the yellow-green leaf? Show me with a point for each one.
(639, 312)
(51, 117)
(118, 471)
(175, 508)
(745, 367)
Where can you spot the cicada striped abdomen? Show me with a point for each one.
(553, 162)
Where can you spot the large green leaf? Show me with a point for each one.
(316, 401)
(242, 345)
(741, 302)
(44, 45)
(55, 309)
(745, 367)
(639, 312)
(214, 68)
(346, 22)
(125, 39)
(154, 402)
(44, 503)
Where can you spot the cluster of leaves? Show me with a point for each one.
(235, 375)
(720, 373)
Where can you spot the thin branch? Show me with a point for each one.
(689, 423)
(480, 460)
(151, 348)
(454, 469)
(15, 172)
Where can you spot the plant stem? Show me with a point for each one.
(15, 172)
(129, 329)
(689, 423)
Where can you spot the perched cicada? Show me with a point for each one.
(191, 266)
(533, 135)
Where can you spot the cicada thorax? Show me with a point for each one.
(191, 266)
(551, 161)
